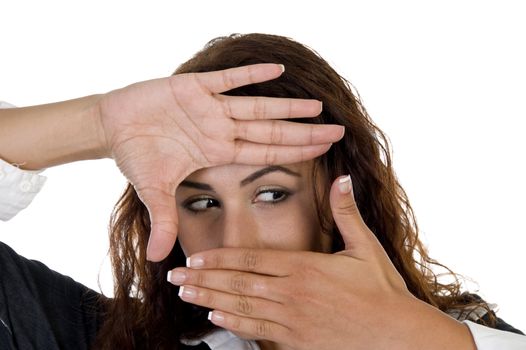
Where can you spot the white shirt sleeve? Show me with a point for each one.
(493, 339)
(17, 187)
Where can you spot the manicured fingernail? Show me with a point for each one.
(187, 292)
(216, 317)
(176, 277)
(195, 261)
(282, 68)
(344, 184)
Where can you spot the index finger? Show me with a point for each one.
(228, 79)
(263, 261)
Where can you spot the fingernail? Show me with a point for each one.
(195, 261)
(176, 277)
(187, 293)
(321, 106)
(282, 68)
(216, 317)
(345, 185)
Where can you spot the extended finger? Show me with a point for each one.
(233, 282)
(237, 304)
(280, 132)
(260, 154)
(252, 328)
(257, 107)
(228, 79)
(263, 261)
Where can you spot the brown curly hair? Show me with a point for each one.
(146, 312)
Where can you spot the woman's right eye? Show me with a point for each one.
(201, 204)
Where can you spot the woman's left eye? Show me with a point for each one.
(271, 196)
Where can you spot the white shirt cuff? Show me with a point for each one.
(493, 339)
(18, 187)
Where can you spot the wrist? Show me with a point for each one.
(100, 146)
(83, 137)
(431, 329)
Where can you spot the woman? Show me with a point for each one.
(372, 287)
(212, 207)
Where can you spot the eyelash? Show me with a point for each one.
(188, 203)
(284, 195)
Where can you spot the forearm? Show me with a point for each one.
(43, 136)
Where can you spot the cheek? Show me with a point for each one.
(291, 227)
(287, 234)
(194, 235)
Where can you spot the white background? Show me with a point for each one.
(445, 80)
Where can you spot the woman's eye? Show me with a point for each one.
(201, 204)
(271, 196)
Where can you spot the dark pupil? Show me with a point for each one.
(276, 195)
(210, 203)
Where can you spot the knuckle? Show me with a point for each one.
(349, 208)
(259, 108)
(219, 261)
(239, 283)
(235, 323)
(243, 305)
(250, 260)
(208, 298)
(195, 79)
(200, 279)
(271, 156)
(228, 79)
(262, 328)
(227, 109)
(276, 134)
(238, 147)
(303, 156)
(241, 130)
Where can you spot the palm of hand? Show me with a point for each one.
(162, 130)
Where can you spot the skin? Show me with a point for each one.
(257, 267)
(242, 206)
(160, 131)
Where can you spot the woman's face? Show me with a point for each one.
(250, 207)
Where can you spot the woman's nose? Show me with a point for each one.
(240, 230)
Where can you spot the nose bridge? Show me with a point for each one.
(239, 229)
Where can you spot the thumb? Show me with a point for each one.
(355, 233)
(163, 218)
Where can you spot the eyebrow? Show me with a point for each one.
(265, 171)
(197, 185)
(251, 178)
